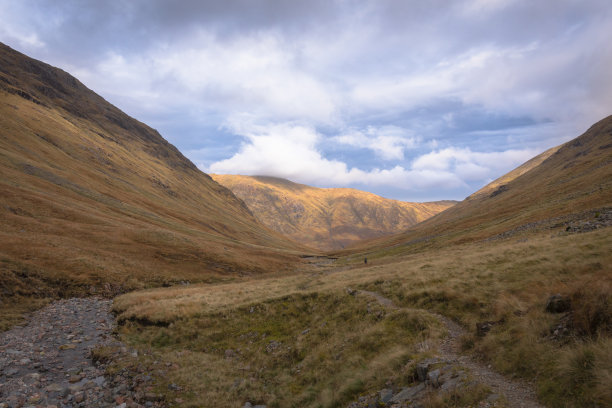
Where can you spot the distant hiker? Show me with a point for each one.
(365, 260)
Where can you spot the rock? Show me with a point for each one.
(558, 304)
(174, 387)
(408, 394)
(273, 346)
(351, 292)
(433, 378)
(423, 367)
(386, 395)
(482, 328)
(34, 399)
(54, 388)
(11, 372)
(74, 379)
(150, 396)
(450, 384)
(79, 397)
(229, 353)
(247, 405)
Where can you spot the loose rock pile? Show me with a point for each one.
(47, 363)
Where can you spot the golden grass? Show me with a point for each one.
(326, 218)
(93, 201)
(505, 281)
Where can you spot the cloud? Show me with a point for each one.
(256, 74)
(388, 141)
(472, 166)
(439, 94)
(290, 151)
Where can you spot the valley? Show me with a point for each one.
(501, 300)
(326, 219)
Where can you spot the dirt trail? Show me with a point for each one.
(519, 394)
(47, 362)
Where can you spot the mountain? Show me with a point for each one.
(519, 275)
(325, 218)
(567, 184)
(92, 199)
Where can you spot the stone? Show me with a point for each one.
(433, 378)
(11, 372)
(558, 304)
(351, 291)
(35, 398)
(79, 397)
(247, 405)
(407, 394)
(150, 396)
(54, 388)
(386, 395)
(273, 346)
(421, 370)
(74, 379)
(450, 384)
(174, 387)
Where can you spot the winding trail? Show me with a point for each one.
(519, 394)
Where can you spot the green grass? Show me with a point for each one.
(300, 350)
(350, 351)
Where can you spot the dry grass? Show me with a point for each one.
(299, 350)
(326, 218)
(507, 281)
(93, 201)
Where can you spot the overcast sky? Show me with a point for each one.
(413, 100)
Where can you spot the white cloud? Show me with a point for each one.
(290, 151)
(257, 74)
(472, 166)
(388, 142)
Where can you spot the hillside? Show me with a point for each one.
(91, 200)
(568, 183)
(325, 218)
(513, 283)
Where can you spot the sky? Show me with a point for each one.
(411, 100)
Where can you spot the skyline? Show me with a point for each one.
(406, 100)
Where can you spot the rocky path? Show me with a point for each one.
(47, 363)
(517, 393)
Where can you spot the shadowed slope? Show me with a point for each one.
(326, 218)
(91, 198)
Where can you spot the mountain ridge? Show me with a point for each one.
(325, 218)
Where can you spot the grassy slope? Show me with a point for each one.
(92, 200)
(577, 177)
(446, 264)
(326, 218)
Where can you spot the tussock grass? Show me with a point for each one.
(298, 350)
(507, 282)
